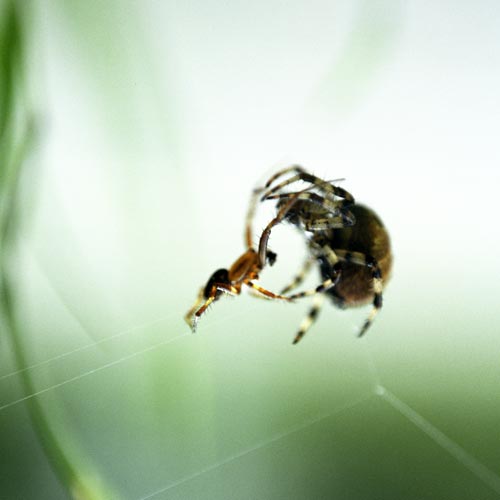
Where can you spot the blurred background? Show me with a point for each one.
(131, 136)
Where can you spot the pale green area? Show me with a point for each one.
(134, 137)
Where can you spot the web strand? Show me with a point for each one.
(260, 445)
(117, 361)
(95, 370)
(63, 355)
(487, 476)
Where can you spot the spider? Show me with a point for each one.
(246, 269)
(351, 246)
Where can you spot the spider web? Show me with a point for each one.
(375, 390)
(165, 414)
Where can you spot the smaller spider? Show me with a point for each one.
(245, 269)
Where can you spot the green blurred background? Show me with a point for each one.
(131, 135)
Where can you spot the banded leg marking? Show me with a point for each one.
(377, 301)
(299, 278)
(322, 287)
(267, 293)
(310, 318)
(332, 206)
(284, 171)
(325, 186)
(338, 222)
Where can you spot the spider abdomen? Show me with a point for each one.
(366, 240)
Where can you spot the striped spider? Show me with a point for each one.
(347, 240)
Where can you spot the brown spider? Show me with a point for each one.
(347, 240)
(245, 269)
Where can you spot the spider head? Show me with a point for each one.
(220, 280)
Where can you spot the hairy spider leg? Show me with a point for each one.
(264, 238)
(367, 261)
(341, 216)
(333, 260)
(267, 293)
(203, 308)
(332, 206)
(323, 287)
(257, 192)
(252, 206)
(284, 171)
(311, 317)
(188, 318)
(299, 277)
(298, 170)
(324, 186)
(217, 287)
(255, 196)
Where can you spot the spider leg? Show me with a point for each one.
(332, 206)
(188, 318)
(337, 216)
(310, 318)
(326, 223)
(377, 284)
(264, 238)
(194, 314)
(377, 299)
(324, 186)
(323, 287)
(266, 292)
(252, 206)
(332, 258)
(299, 278)
(203, 308)
(255, 197)
(280, 173)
